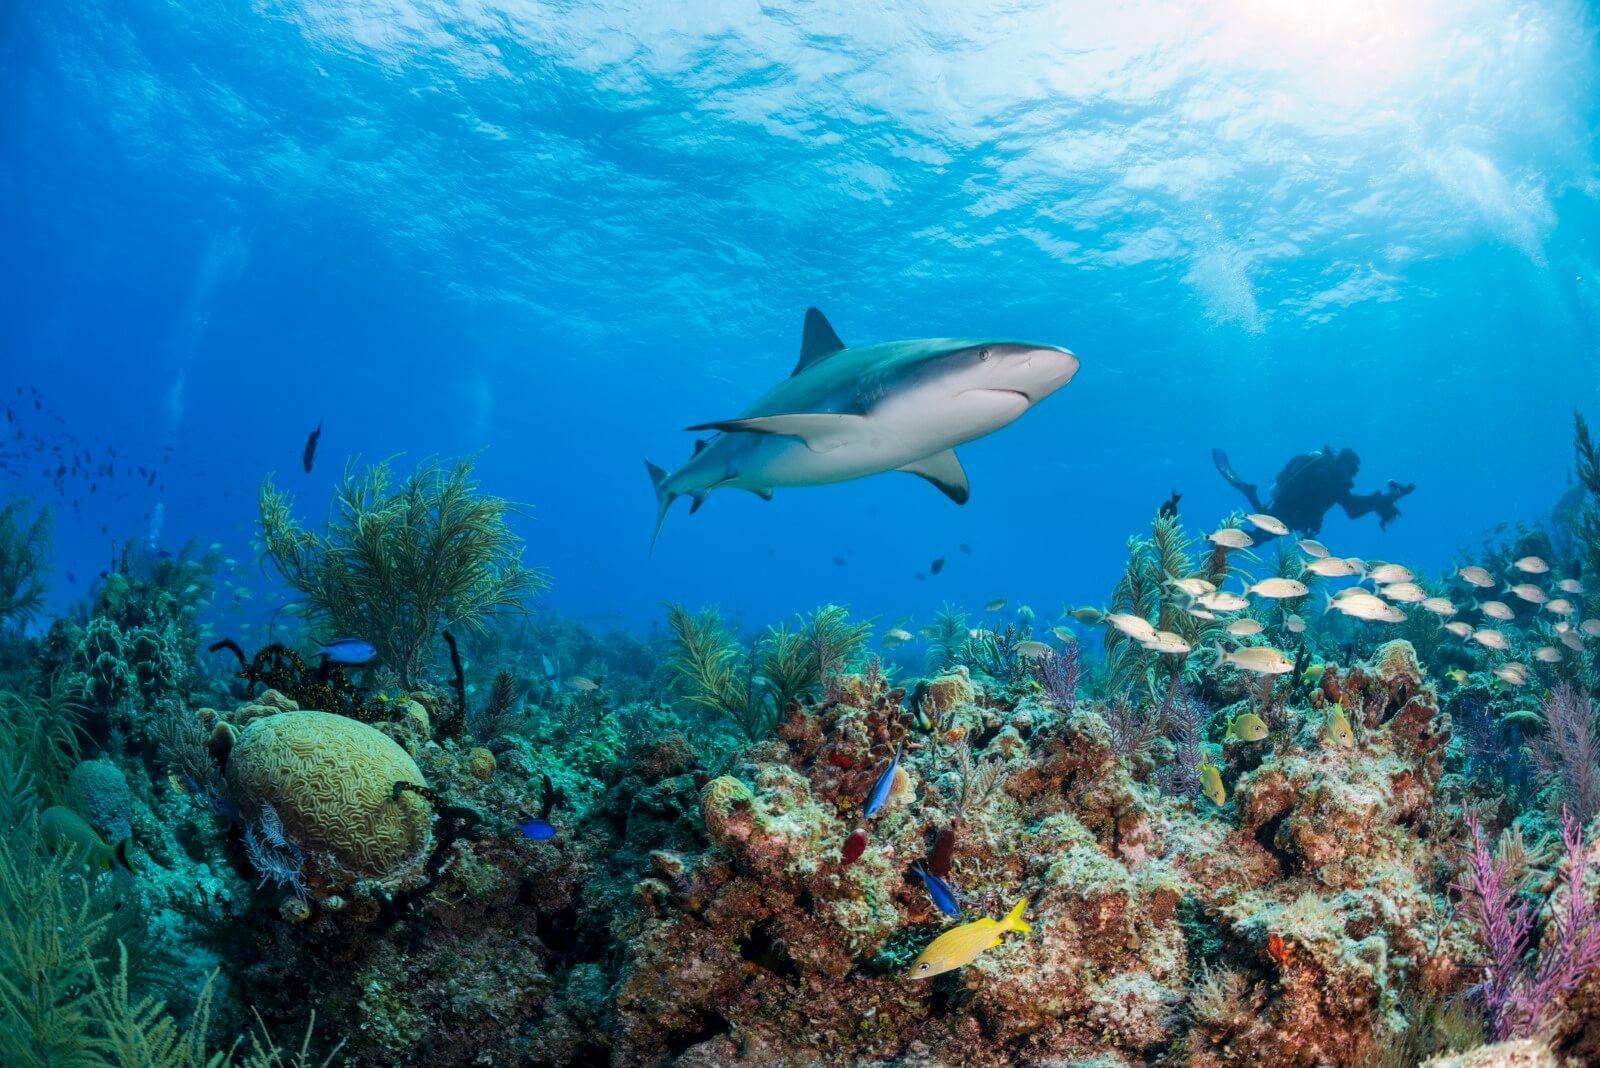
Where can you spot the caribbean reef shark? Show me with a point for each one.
(848, 412)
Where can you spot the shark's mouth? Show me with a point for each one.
(1003, 392)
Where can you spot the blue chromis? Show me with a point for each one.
(64, 829)
(1246, 727)
(960, 946)
(348, 651)
(943, 897)
(1339, 733)
(537, 829)
(1211, 783)
(880, 789)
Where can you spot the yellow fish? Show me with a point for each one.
(1339, 733)
(1313, 671)
(1246, 727)
(1457, 676)
(960, 946)
(63, 829)
(1211, 783)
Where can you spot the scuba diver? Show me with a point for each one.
(1312, 483)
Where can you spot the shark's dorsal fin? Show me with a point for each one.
(821, 431)
(699, 443)
(943, 469)
(817, 341)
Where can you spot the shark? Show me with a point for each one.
(847, 412)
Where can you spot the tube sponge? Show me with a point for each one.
(331, 781)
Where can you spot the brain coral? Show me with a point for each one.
(331, 780)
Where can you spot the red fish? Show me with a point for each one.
(943, 846)
(854, 846)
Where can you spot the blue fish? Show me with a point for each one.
(880, 789)
(537, 829)
(942, 895)
(348, 651)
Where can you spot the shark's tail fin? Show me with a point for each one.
(664, 499)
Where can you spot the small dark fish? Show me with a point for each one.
(1169, 510)
(839, 561)
(163, 554)
(966, 548)
(311, 448)
(937, 566)
(854, 846)
(537, 829)
(943, 897)
(880, 789)
(348, 651)
(72, 578)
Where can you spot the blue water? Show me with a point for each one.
(557, 233)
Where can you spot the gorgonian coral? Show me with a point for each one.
(398, 559)
(1517, 992)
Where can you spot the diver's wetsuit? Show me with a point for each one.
(1310, 484)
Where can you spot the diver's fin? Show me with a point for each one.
(764, 492)
(664, 498)
(821, 431)
(943, 469)
(1225, 469)
(817, 341)
(122, 857)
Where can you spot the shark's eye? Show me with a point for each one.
(983, 354)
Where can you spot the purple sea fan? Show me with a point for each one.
(1567, 755)
(1183, 717)
(1134, 729)
(1517, 993)
(1058, 674)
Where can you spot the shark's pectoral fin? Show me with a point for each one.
(943, 469)
(821, 431)
(764, 492)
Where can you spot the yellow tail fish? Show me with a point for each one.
(960, 946)
(65, 830)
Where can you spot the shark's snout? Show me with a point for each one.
(1039, 370)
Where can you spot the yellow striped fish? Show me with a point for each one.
(960, 946)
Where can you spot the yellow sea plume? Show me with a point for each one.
(331, 781)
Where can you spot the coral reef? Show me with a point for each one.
(1349, 842)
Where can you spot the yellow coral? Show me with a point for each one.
(416, 717)
(729, 810)
(481, 763)
(331, 781)
(1397, 663)
(947, 691)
